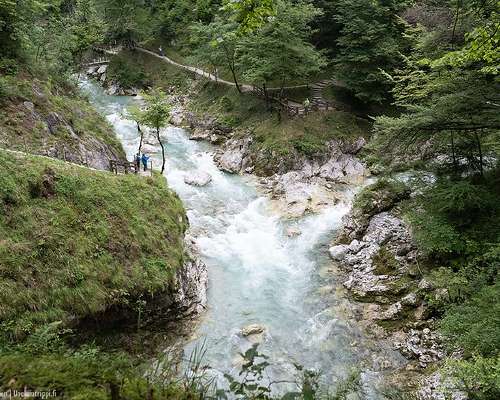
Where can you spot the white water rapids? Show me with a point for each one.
(257, 274)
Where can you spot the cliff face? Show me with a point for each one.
(39, 117)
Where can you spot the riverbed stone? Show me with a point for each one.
(197, 178)
(253, 329)
(338, 252)
(234, 158)
(102, 69)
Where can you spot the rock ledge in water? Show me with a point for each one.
(197, 178)
(253, 329)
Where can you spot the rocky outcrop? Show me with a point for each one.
(236, 156)
(337, 164)
(190, 288)
(437, 387)
(57, 133)
(87, 151)
(377, 253)
(205, 128)
(378, 259)
(316, 185)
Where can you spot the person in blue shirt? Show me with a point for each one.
(145, 160)
(137, 160)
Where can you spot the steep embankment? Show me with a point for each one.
(43, 117)
(78, 243)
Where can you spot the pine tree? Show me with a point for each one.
(370, 46)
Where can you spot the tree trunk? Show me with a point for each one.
(114, 391)
(162, 150)
(142, 137)
(453, 154)
(480, 150)
(230, 64)
(233, 73)
(266, 96)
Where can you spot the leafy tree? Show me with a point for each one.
(370, 46)
(136, 114)
(475, 325)
(326, 27)
(279, 51)
(155, 115)
(173, 16)
(478, 377)
(86, 27)
(128, 20)
(251, 14)
(216, 43)
(18, 21)
(450, 112)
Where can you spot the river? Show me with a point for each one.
(257, 274)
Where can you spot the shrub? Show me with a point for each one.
(226, 103)
(474, 325)
(308, 145)
(8, 66)
(479, 377)
(456, 219)
(381, 196)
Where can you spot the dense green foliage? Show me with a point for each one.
(127, 74)
(370, 45)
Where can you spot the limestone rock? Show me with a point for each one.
(234, 156)
(191, 281)
(197, 178)
(338, 252)
(254, 333)
(436, 387)
(102, 69)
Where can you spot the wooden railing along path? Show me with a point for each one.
(129, 167)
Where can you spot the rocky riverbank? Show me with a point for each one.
(379, 259)
(297, 184)
(112, 87)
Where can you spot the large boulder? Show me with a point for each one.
(234, 157)
(102, 69)
(253, 329)
(338, 252)
(343, 168)
(197, 178)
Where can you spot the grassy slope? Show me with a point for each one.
(307, 135)
(21, 130)
(81, 241)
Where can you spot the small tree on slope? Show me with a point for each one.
(155, 115)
